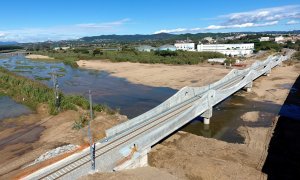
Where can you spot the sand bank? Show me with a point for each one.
(37, 56)
(160, 75)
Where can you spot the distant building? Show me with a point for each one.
(279, 39)
(228, 49)
(229, 38)
(209, 39)
(65, 48)
(185, 46)
(264, 39)
(145, 48)
(187, 40)
(167, 47)
(217, 60)
(61, 48)
(240, 36)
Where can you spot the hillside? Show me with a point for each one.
(166, 36)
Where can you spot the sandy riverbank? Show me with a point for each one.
(25, 138)
(187, 156)
(37, 56)
(160, 75)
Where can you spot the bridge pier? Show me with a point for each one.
(267, 73)
(206, 132)
(248, 87)
(207, 115)
(206, 121)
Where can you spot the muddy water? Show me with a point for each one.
(9, 108)
(227, 118)
(131, 99)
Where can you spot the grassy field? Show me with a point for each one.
(33, 93)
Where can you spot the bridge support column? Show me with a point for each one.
(268, 73)
(207, 115)
(206, 132)
(248, 87)
(206, 121)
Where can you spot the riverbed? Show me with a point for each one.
(134, 99)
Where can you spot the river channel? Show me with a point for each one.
(131, 99)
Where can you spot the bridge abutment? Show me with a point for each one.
(138, 159)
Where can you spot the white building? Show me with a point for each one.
(264, 39)
(209, 39)
(279, 39)
(229, 38)
(228, 49)
(61, 48)
(145, 48)
(185, 46)
(240, 36)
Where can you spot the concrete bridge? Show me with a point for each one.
(126, 145)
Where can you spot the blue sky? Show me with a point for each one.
(40, 20)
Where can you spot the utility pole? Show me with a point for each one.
(92, 144)
(56, 89)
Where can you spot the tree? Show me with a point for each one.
(165, 53)
(97, 51)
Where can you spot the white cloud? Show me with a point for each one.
(217, 27)
(104, 25)
(262, 15)
(61, 32)
(292, 22)
(178, 30)
(256, 18)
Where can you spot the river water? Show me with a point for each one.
(226, 118)
(9, 108)
(131, 99)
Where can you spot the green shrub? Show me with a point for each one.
(229, 61)
(296, 56)
(32, 93)
(165, 53)
(131, 55)
(81, 122)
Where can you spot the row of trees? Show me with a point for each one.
(267, 45)
(9, 47)
(131, 55)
